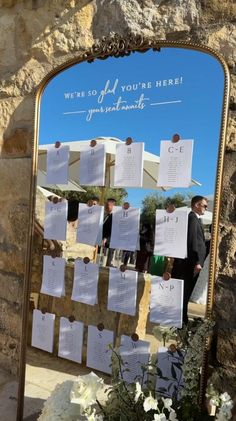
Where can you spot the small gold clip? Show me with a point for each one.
(93, 143)
(100, 326)
(128, 141)
(175, 138)
(166, 276)
(134, 337)
(126, 205)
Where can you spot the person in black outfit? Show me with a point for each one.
(106, 232)
(146, 248)
(188, 269)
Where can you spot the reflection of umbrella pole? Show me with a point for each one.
(102, 195)
(95, 254)
(103, 191)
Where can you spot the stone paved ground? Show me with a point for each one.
(8, 397)
(43, 372)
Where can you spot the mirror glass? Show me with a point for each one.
(148, 97)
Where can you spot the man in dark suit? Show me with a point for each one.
(188, 269)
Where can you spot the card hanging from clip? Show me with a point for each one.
(57, 144)
(86, 260)
(125, 207)
(43, 311)
(93, 143)
(123, 269)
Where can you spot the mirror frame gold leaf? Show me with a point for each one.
(117, 46)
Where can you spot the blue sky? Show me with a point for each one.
(175, 90)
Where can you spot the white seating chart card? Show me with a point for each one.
(170, 364)
(171, 233)
(57, 165)
(53, 282)
(92, 166)
(90, 224)
(122, 291)
(134, 354)
(125, 228)
(175, 163)
(71, 340)
(43, 330)
(85, 282)
(98, 352)
(166, 302)
(129, 165)
(55, 223)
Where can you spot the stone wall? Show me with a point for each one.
(36, 37)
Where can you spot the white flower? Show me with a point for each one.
(149, 403)
(225, 397)
(224, 414)
(220, 417)
(226, 410)
(94, 416)
(172, 416)
(138, 392)
(214, 402)
(227, 405)
(84, 390)
(58, 407)
(159, 417)
(167, 404)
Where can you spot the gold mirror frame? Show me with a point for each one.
(116, 46)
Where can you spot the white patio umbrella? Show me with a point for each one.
(41, 181)
(150, 168)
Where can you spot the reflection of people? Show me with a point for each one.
(73, 205)
(199, 294)
(146, 248)
(128, 256)
(106, 232)
(188, 269)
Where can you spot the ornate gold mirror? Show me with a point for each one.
(148, 92)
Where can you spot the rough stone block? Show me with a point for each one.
(228, 201)
(14, 203)
(9, 353)
(224, 380)
(231, 130)
(11, 287)
(227, 250)
(226, 347)
(18, 144)
(10, 318)
(225, 301)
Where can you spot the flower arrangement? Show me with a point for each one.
(221, 401)
(88, 398)
(73, 401)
